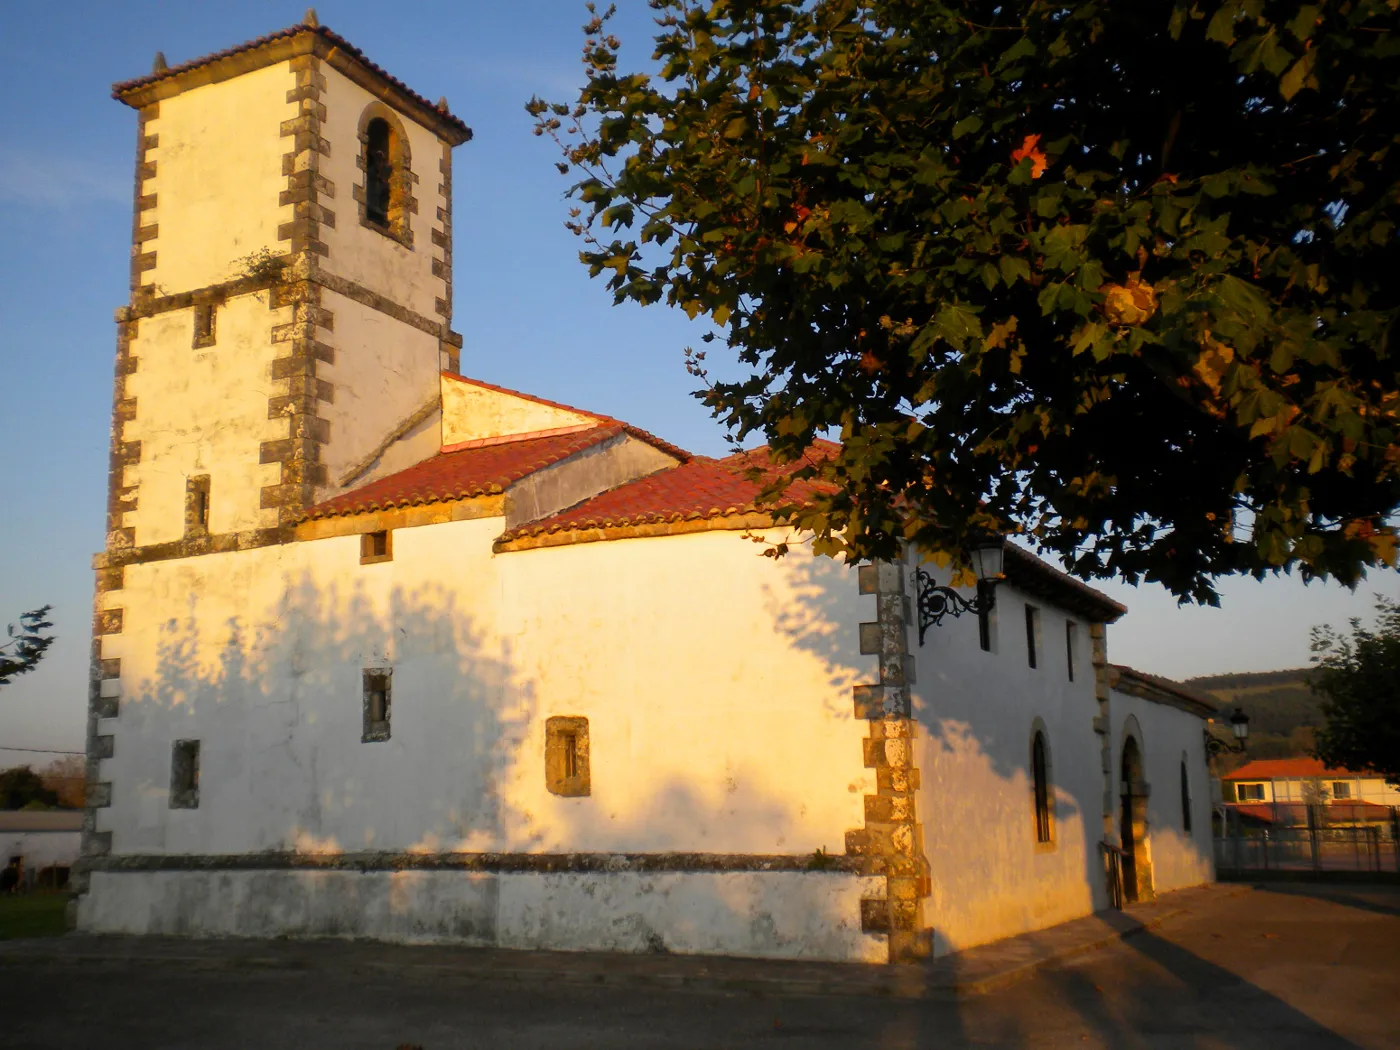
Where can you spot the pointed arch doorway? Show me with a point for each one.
(1132, 820)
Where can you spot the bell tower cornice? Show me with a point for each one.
(302, 39)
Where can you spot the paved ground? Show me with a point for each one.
(1287, 966)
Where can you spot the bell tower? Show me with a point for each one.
(291, 288)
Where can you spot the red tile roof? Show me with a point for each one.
(460, 475)
(699, 489)
(126, 86)
(1288, 769)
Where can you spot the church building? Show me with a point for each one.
(381, 650)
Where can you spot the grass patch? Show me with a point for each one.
(33, 915)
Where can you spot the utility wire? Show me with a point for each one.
(43, 750)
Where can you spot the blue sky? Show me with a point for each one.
(530, 316)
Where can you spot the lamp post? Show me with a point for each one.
(1239, 726)
(936, 602)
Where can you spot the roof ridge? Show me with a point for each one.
(123, 87)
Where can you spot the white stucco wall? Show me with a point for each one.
(40, 849)
(1167, 736)
(777, 915)
(364, 255)
(204, 411)
(218, 176)
(977, 711)
(471, 412)
(384, 371)
(718, 694)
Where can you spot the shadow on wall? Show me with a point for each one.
(278, 708)
(990, 878)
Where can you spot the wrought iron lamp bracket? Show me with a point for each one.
(936, 602)
(1216, 746)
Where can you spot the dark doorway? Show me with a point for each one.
(1132, 826)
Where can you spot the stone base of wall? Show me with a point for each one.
(780, 915)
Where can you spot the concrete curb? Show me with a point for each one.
(975, 971)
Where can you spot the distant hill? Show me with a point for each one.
(1283, 711)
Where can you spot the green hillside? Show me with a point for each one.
(1283, 711)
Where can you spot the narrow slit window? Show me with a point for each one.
(184, 775)
(1032, 630)
(1041, 773)
(376, 547)
(379, 171)
(566, 756)
(197, 505)
(1070, 639)
(1185, 798)
(203, 325)
(984, 616)
(378, 697)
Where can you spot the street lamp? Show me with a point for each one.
(936, 602)
(1239, 726)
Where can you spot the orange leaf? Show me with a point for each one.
(1028, 149)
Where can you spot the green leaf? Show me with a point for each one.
(967, 126)
(1298, 76)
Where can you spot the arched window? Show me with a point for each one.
(386, 195)
(1040, 771)
(379, 171)
(1185, 797)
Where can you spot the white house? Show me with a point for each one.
(41, 845)
(385, 651)
(1305, 780)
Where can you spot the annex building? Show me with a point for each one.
(381, 650)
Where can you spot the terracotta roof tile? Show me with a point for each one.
(701, 488)
(124, 87)
(460, 475)
(1288, 769)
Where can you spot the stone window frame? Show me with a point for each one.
(1042, 787)
(1033, 645)
(376, 729)
(368, 556)
(566, 736)
(205, 325)
(184, 774)
(197, 506)
(402, 204)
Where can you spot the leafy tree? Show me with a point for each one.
(1359, 680)
(22, 788)
(27, 644)
(1116, 276)
(66, 777)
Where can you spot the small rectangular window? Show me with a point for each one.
(203, 325)
(184, 774)
(376, 546)
(1070, 638)
(566, 765)
(197, 505)
(1341, 789)
(378, 698)
(1032, 631)
(1250, 792)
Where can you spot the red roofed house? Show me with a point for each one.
(1303, 781)
(384, 651)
